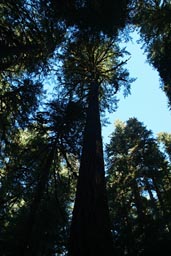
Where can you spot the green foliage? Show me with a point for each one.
(25, 196)
(33, 183)
(153, 20)
(41, 139)
(165, 139)
(138, 187)
(95, 60)
(28, 37)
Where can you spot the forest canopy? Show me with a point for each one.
(62, 67)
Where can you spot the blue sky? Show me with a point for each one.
(147, 102)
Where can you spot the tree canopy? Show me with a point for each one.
(61, 68)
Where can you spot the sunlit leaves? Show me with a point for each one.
(95, 60)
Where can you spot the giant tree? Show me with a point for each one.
(93, 73)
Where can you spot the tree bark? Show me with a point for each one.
(90, 233)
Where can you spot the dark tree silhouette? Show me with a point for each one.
(153, 20)
(137, 189)
(93, 73)
(90, 230)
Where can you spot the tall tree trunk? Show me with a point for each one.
(90, 228)
(27, 247)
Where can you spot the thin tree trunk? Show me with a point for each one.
(90, 228)
(138, 204)
(163, 207)
(157, 190)
(27, 248)
(153, 201)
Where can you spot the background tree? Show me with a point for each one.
(28, 40)
(138, 184)
(33, 182)
(165, 139)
